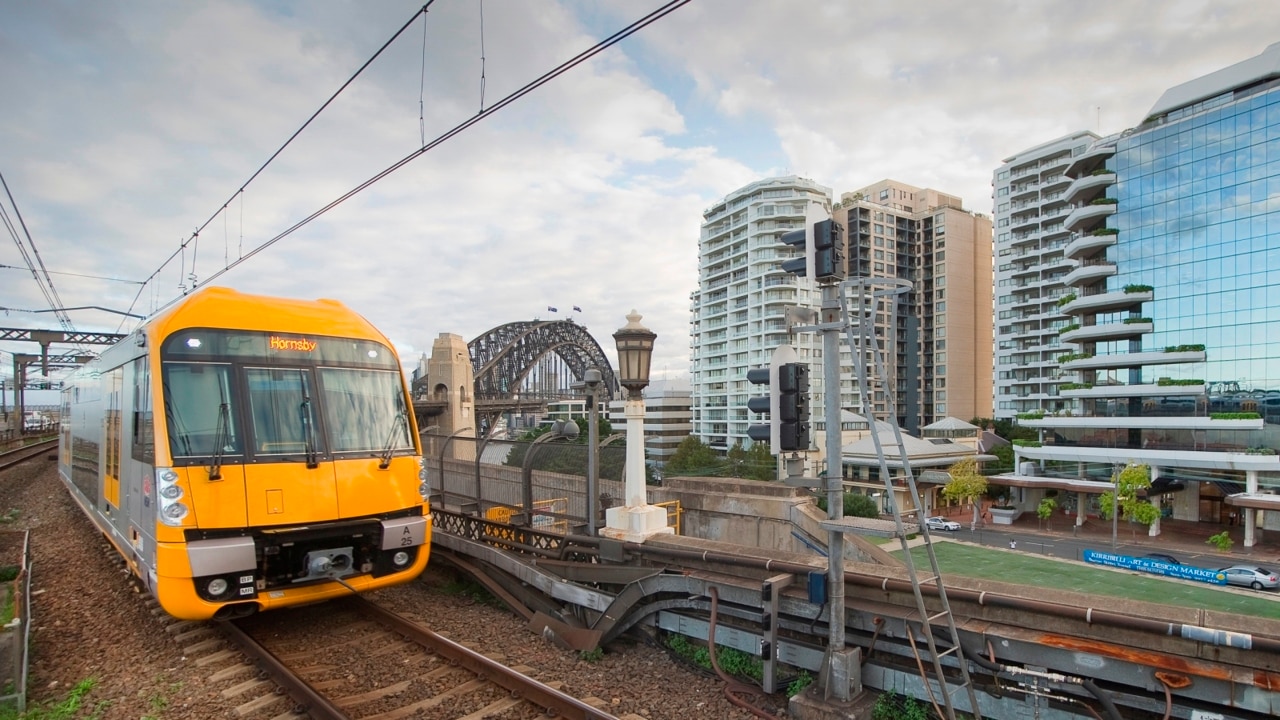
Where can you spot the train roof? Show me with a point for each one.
(220, 307)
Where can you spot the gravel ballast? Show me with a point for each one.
(91, 623)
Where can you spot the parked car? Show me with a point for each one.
(940, 523)
(1251, 576)
(1161, 557)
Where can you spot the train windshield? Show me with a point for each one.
(197, 404)
(282, 412)
(270, 397)
(364, 410)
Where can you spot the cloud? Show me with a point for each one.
(131, 125)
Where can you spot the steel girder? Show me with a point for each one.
(503, 357)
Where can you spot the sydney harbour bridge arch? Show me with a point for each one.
(516, 367)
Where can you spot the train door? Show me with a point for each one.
(289, 480)
(137, 483)
(113, 443)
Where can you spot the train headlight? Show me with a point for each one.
(172, 512)
(422, 469)
(425, 491)
(400, 559)
(216, 587)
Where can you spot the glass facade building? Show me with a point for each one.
(1171, 347)
(1198, 215)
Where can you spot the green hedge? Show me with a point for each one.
(1234, 416)
(1105, 231)
(1104, 201)
(1075, 386)
(1170, 382)
(1066, 299)
(1138, 288)
(1136, 321)
(1185, 348)
(1073, 356)
(1027, 443)
(1068, 328)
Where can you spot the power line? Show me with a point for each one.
(564, 67)
(71, 274)
(296, 133)
(46, 287)
(530, 87)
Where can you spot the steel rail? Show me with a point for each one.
(556, 703)
(308, 698)
(17, 457)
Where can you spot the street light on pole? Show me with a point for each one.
(591, 380)
(1115, 506)
(638, 519)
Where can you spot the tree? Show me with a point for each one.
(1045, 510)
(966, 485)
(1130, 481)
(694, 457)
(760, 464)
(855, 505)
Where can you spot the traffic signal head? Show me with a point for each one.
(797, 239)
(828, 256)
(792, 389)
(767, 432)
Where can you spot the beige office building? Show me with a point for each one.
(942, 354)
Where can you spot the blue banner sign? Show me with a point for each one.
(1156, 567)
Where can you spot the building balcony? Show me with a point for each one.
(1056, 181)
(1107, 302)
(1085, 216)
(1089, 273)
(1025, 221)
(1090, 160)
(1107, 332)
(1133, 360)
(1141, 422)
(1102, 392)
(1024, 191)
(1088, 244)
(1084, 189)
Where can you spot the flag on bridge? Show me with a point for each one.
(577, 309)
(551, 309)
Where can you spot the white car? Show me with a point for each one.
(939, 523)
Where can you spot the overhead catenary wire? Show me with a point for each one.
(46, 285)
(564, 67)
(274, 155)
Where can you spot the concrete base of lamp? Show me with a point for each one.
(635, 523)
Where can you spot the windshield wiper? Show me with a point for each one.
(308, 429)
(391, 441)
(220, 438)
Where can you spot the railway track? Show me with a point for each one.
(353, 659)
(11, 458)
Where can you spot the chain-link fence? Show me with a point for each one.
(496, 478)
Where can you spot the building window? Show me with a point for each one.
(1001, 192)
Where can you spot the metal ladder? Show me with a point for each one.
(859, 325)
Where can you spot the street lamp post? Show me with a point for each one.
(637, 520)
(592, 379)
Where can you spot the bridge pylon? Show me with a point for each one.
(452, 381)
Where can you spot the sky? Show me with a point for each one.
(127, 125)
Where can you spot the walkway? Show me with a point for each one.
(1184, 539)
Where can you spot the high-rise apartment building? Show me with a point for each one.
(737, 311)
(1029, 193)
(1172, 339)
(941, 349)
(941, 354)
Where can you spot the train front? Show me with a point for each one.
(294, 472)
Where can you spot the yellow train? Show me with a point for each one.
(245, 453)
